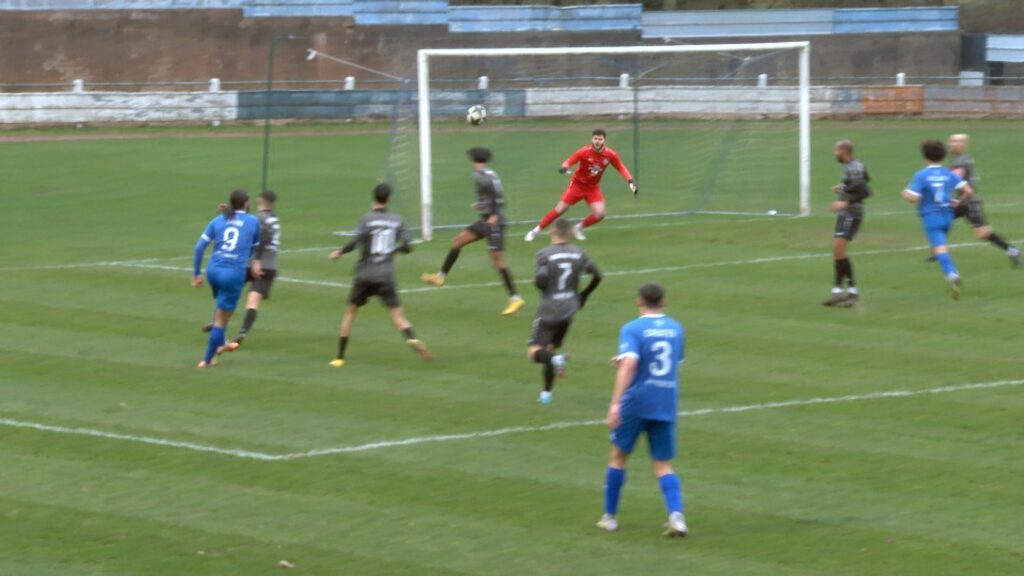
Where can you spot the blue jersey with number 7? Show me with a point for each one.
(935, 186)
(656, 341)
(233, 240)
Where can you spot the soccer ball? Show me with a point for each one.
(476, 115)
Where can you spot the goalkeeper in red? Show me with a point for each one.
(592, 161)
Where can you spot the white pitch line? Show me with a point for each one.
(237, 453)
(251, 455)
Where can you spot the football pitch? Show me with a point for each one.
(885, 439)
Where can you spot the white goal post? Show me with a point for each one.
(424, 56)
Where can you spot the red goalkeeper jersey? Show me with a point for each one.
(592, 165)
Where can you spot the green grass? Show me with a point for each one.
(920, 485)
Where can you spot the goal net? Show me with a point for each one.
(720, 129)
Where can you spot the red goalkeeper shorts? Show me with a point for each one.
(576, 192)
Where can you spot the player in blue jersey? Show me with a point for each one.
(645, 399)
(234, 234)
(932, 190)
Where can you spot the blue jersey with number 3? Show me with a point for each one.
(935, 185)
(233, 240)
(656, 341)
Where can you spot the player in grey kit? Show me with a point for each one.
(849, 209)
(381, 235)
(963, 166)
(266, 254)
(490, 203)
(557, 275)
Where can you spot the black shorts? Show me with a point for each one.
(261, 285)
(972, 212)
(363, 290)
(495, 235)
(547, 333)
(848, 224)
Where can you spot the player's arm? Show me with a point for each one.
(617, 163)
(541, 277)
(623, 376)
(404, 246)
(912, 193)
(359, 237)
(595, 279)
(571, 161)
(256, 252)
(197, 255)
(964, 187)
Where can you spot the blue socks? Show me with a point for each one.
(216, 340)
(672, 491)
(946, 263)
(614, 479)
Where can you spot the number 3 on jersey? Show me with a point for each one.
(662, 364)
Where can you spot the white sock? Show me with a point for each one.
(837, 290)
(853, 290)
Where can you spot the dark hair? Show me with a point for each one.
(933, 150)
(269, 197)
(598, 132)
(236, 201)
(562, 228)
(382, 193)
(479, 154)
(652, 294)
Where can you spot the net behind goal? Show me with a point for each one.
(706, 128)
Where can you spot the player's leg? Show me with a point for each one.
(937, 229)
(623, 439)
(569, 197)
(595, 200)
(259, 290)
(343, 333)
(840, 262)
(661, 438)
(498, 259)
(227, 289)
(467, 236)
(389, 294)
(983, 231)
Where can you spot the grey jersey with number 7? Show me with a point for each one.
(558, 270)
(380, 235)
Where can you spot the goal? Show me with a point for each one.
(705, 128)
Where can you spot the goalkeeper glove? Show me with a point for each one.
(562, 170)
(632, 186)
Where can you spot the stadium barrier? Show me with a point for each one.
(680, 101)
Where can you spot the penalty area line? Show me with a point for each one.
(416, 440)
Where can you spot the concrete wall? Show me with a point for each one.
(506, 105)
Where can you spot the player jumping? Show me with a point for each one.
(233, 234)
(932, 190)
(586, 184)
(645, 400)
(557, 275)
(381, 235)
(490, 202)
(963, 166)
(849, 209)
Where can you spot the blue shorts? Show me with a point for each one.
(227, 284)
(936, 228)
(661, 436)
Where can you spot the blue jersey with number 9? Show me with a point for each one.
(656, 341)
(233, 240)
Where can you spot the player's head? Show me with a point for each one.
(844, 151)
(651, 296)
(597, 138)
(560, 231)
(266, 200)
(933, 150)
(958, 143)
(479, 155)
(239, 200)
(382, 193)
